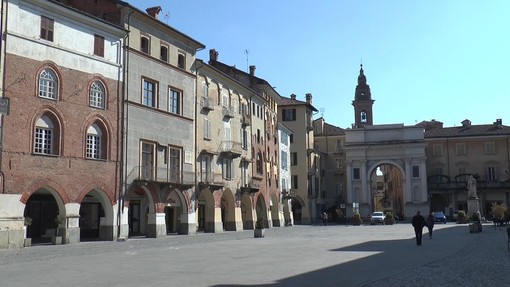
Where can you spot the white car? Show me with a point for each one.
(377, 217)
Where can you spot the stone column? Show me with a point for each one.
(348, 175)
(70, 231)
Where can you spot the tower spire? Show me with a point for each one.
(363, 101)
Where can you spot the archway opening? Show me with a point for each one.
(261, 210)
(205, 211)
(247, 212)
(173, 212)
(387, 190)
(296, 210)
(91, 214)
(42, 208)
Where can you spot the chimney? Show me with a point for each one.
(153, 11)
(466, 123)
(252, 70)
(293, 97)
(213, 55)
(309, 98)
(498, 123)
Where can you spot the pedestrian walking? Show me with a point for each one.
(418, 224)
(325, 218)
(430, 224)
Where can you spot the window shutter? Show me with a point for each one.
(223, 168)
(232, 169)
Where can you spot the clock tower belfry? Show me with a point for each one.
(363, 102)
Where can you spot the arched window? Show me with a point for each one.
(95, 143)
(181, 61)
(46, 136)
(97, 95)
(259, 163)
(48, 84)
(363, 116)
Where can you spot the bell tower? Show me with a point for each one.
(363, 102)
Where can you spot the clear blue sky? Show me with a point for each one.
(434, 59)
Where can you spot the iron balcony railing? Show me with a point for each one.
(162, 174)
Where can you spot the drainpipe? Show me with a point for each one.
(2, 176)
(124, 128)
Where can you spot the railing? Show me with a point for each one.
(231, 147)
(208, 103)
(210, 178)
(288, 194)
(255, 183)
(228, 112)
(246, 120)
(162, 174)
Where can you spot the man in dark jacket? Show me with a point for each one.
(418, 224)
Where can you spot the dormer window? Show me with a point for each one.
(181, 61)
(164, 53)
(145, 44)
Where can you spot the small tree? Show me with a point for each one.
(498, 211)
(389, 218)
(356, 219)
(462, 217)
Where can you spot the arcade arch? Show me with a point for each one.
(43, 206)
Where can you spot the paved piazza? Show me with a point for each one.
(335, 255)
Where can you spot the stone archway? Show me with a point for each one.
(140, 204)
(228, 211)
(175, 212)
(247, 211)
(398, 145)
(274, 206)
(386, 188)
(297, 206)
(43, 206)
(96, 217)
(261, 209)
(206, 212)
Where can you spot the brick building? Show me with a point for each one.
(60, 151)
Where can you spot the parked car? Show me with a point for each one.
(377, 217)
(439, 217)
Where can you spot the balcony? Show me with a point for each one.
(210, 180)
(228, 112)
(207, 104)
(162, 175)
(232, 148)
(313, 171)
(246, 120)
(288, 193)
(255, 184)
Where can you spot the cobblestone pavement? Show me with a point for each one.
(288, 256)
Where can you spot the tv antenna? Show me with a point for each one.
(247, 52)
(166, 17)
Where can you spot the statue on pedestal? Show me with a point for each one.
(471, 186)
